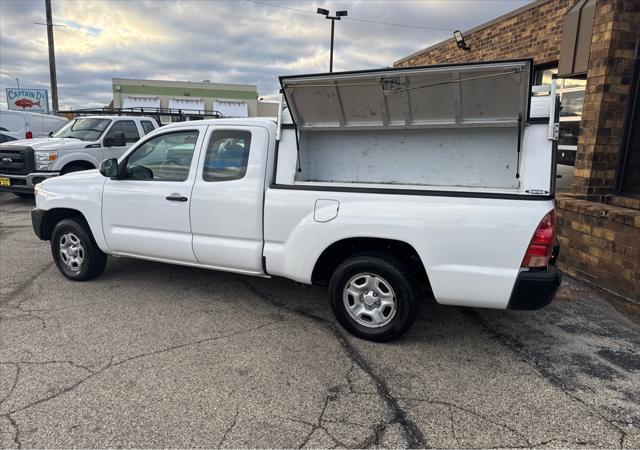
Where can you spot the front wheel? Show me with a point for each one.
(75, 252)
(372, 297)
(71, 168)
(24, 195)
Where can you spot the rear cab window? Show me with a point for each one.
(227, 155)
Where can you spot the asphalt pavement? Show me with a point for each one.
(153, 355)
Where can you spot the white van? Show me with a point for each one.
(28, 125)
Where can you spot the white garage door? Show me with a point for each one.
(231, 109)
(140, 102)
(189, 105)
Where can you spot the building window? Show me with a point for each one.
(571, 93)
(629, 172)
(543, 76)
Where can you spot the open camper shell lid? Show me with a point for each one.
(493, 94)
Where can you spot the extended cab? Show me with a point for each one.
(81, 144)
(382, 185)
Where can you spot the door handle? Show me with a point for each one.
(177, 198)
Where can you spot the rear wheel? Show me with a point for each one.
(75, 252)
(373, 298)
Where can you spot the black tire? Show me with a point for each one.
(93, 260)
(396, 275)
(72, 168)
(24, 195)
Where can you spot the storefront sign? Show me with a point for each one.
(32, 100)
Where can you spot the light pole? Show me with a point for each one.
(339, 14)
(15, 78)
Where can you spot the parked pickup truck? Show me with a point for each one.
(383, 185)
(81, 144)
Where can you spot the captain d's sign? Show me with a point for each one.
(32, 100)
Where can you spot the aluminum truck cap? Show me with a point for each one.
(475, 95)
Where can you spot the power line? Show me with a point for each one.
(353, 19)
(281, 7)
(397, 24)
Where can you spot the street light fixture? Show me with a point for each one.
(339, 14)
(14, 77)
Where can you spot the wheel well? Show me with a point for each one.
(54, 216)
(339, 251)
(80, 163)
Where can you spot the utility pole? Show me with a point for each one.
(339, 14)
(52, 58)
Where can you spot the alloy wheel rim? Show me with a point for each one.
(71, 251)
(370, 300)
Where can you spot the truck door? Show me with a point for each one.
(227, 198)
(146, 213)
(113, 146)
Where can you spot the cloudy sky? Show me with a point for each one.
(232, 41)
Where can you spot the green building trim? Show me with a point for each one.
(186, 92)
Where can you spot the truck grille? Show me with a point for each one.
(16, 161)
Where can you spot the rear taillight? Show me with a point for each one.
(28, 135)
(539, 251)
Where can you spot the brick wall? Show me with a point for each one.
(611, 61)
(600, 243)
(533, 33)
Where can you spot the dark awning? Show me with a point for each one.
(576, 39)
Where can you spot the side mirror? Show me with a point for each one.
(50, 133)
(109, 168)
(115, 140)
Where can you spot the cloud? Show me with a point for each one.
(223, 41)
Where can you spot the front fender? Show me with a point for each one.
(65, 157)
(79, 191)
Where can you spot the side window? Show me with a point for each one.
(227, 155)
(147, 126)
(164, 158)
(128, 127)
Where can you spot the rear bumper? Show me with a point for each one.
(535, 289)
(25, 183)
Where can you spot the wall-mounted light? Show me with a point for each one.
(460, 40)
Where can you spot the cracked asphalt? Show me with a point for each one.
(152, 355)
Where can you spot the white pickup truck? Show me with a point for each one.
(381, 183)
(79, 145)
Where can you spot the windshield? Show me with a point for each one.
(83, 129)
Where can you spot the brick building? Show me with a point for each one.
(593, 47)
